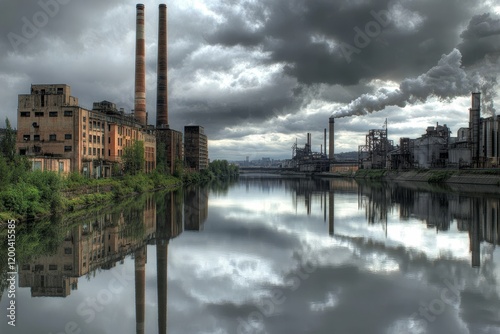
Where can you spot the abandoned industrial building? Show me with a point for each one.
(57, 134)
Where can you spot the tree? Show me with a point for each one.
(133, 158)
(161, 160)
(8, 142)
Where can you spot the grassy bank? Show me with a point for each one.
(39, 194)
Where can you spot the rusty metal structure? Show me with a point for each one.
(373, 155)
(305, 160)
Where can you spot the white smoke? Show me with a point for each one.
(447, 80)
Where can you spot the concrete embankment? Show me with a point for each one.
(477, 177)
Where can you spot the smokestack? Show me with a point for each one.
(331, 148)
(324, 138)
(161, 81)
(474, 123)
(140, 68)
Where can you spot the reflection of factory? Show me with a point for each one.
(478, 216)
(99, 242)
(195, 208)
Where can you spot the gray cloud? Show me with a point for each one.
(265, 64)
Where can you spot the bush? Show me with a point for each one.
(23, 199)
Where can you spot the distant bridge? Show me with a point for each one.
(269, 170)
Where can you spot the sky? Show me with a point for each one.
(259, 75)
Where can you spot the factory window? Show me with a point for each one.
(67, 136)
(26, 137)
(36, 137)
(84, 150)
(68, 250)
(109, 127)
(98, 139)
(22, 151)
(52, 137)
(68, 113)
(25, 267)
(42, 98)
(84, 127)
(25, 114)
(102, 126)
(38, 267)
(94, 139)
(94, 125)
(68, 148)
(59, 91)
(52, 266)
(109, 152)
(68, 267)
(103, 152)
(109, 140)
(39, 113)
(98, 125)
(103, 139)
(52, 113)
(93, 150)
(84, 135)
(61, 166)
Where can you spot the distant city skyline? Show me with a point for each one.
(259, 75)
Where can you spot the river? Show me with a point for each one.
(266, 255)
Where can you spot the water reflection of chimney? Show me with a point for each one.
(140, 288)
(474, 234)
(331, 213)
(161, 271)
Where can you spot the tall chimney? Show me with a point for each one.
(161, 81)
(324, 137)
(332, 133)
(474, 128)
(140, 68)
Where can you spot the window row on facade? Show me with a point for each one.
(66, 113)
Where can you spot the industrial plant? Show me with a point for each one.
(477, 146)
(57, 134)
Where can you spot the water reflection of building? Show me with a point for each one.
(479, 216)
(101, 241)
(97, 243)
(195, 208)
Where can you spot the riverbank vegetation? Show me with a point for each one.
(28, 194)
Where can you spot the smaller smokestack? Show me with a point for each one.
(324, 137)
(332, 130)
(161, 81)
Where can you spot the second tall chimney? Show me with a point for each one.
(140, 68)
(161, 81)
(331, 148)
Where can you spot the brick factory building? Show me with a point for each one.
(52, 126)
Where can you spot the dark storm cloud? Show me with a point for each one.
(480, 38)
(23, 22)
(412, 35)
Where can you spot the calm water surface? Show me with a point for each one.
(268, 255)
